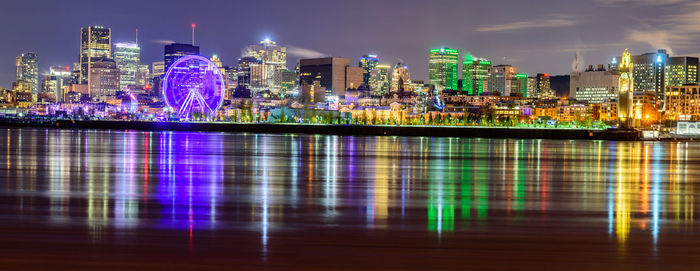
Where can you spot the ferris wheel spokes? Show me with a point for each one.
(193, 79)
(195, 96)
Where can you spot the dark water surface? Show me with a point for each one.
(104, 200)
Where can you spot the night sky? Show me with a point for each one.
(536, 36)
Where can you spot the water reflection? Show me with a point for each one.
(199, 183)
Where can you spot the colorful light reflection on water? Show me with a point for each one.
(272, 194)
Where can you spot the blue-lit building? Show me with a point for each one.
(368, 63)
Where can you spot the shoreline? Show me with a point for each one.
(346, 130)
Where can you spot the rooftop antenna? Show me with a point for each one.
(137, 36)
(193, 25)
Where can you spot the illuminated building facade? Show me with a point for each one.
(312, 93)
(22, 92)
(58, 79)
(288, 80)
(217, 61)
(177, 50)
(682, 70)
(127, 55)
(49, 86)
(683, 103)
(654, 72)
(400, 80)
(543, 83)
(532, 86)
(443, 66)
(274, 60)
(500, 78)
(250, 70)
(475, 75)
(519, 85)
(220, 65)
(95, 43)
(143, 75)
(379, 80)
(649, 71)
(368, 63)
(21, 86)
(104, 79)
(626, 88)
(594, 86)
(158, 68)
(28, 70)
(333, 73)
(353, 77)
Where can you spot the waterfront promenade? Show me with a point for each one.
(359, 130)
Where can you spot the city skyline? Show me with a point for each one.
(396, 34)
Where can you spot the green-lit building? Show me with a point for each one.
(521, 82)
(475, 75)
(444, 64)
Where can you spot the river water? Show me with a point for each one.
(95, 199)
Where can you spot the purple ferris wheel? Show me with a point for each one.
(193, 84)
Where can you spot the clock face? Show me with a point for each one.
(624, 76)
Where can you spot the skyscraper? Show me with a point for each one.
(143, 76)
(475, 75)
(500, 78)
(250, 71)
(543, 83)
(400, 80)
(104, 79)
(28, 70)
(127, 55)
(177, 50)
(368, 63)
(379, 79)
(444, 67)
(289, 80)
(95, 43)
(519, 84)
(334, 74)
(274, 60)
(682, 70)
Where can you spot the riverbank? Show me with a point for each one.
(359, 130)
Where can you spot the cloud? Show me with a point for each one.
(677, 28)
(619, 3)
(163, 42)
(562, 21)
(304, 52)
(589, 47)
(656, 39)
